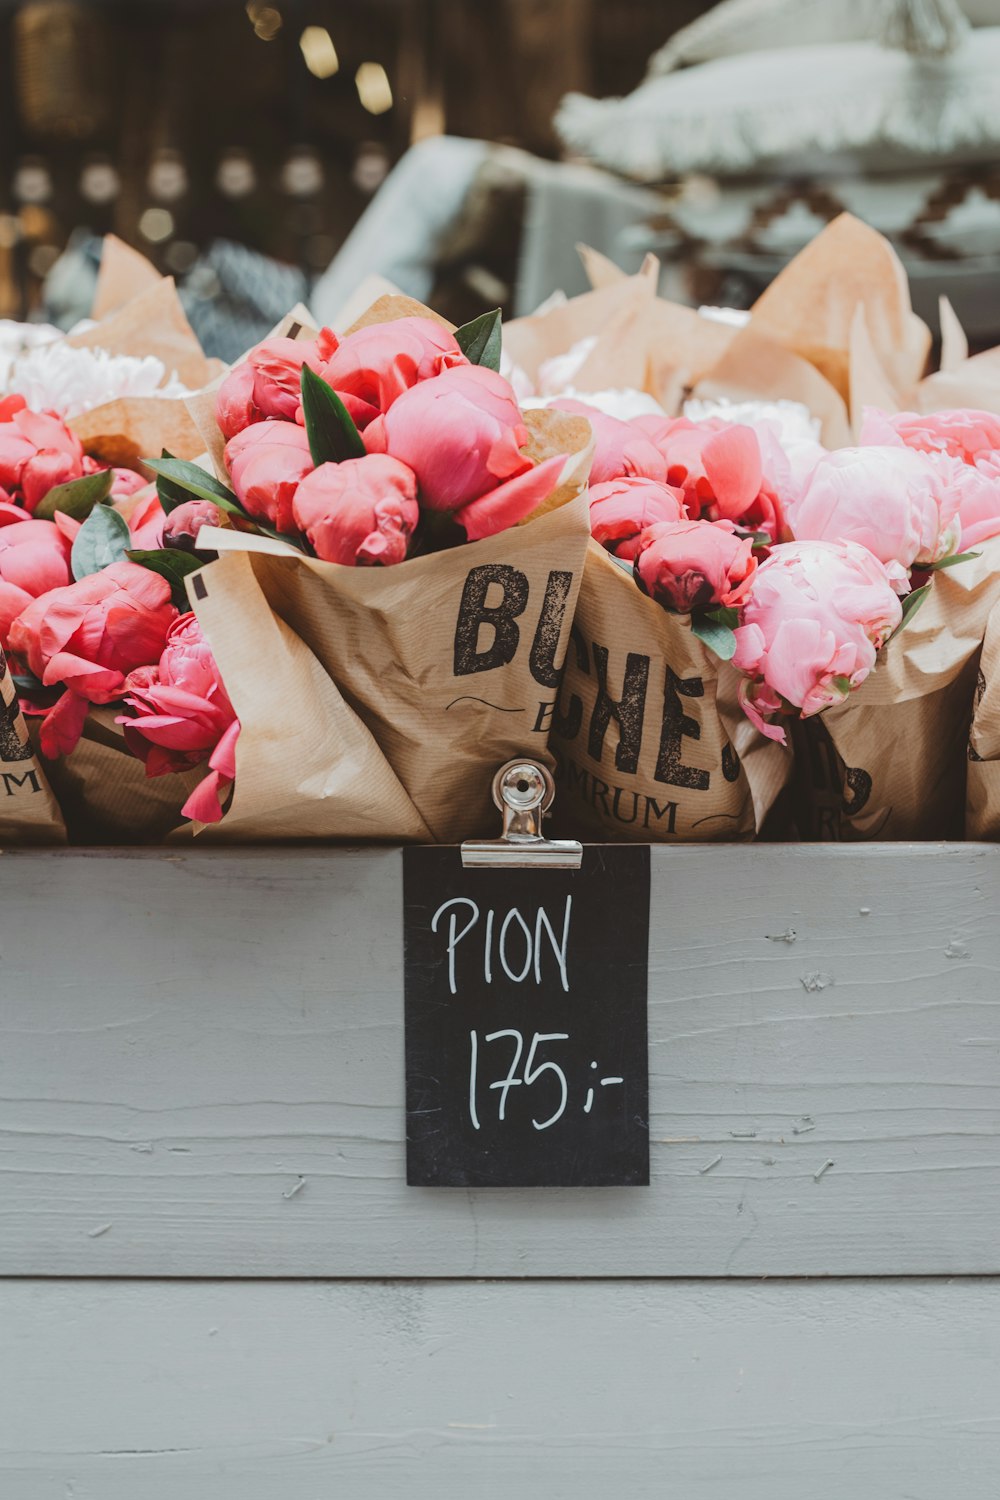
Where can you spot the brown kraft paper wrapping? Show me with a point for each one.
(104, 792)
(648, 742)
(891, 762)
(29, 813)
(306, 767)
(982, 806)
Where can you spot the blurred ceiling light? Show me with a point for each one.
(374, 89)
(156, 225)
(168, 178)
(99, 182)
(236, 177)
(32, 183)
(266, 20)
(316, 45)
(302, 174)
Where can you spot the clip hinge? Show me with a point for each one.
(524, 791)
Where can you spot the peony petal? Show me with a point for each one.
(733, 468)
(511, 502)
(62, 726)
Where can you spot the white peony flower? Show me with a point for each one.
(16, 339)
(58, 377)
(792, 420)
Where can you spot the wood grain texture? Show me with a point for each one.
(442, 1391)
(201, 1073)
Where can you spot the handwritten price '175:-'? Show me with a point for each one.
(515, 948)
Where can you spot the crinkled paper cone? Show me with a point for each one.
(153, 323)
(306, 767)
(125, 432)
(755, 367)
(29, 813)
(645, 747)
(972, 382)
(890, 762)
(982, 806)
(810, 306)
(104, 791)
(451, 660)
(123, 274)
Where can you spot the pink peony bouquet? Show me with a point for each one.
(399, 438)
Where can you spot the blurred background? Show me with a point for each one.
(278, 150)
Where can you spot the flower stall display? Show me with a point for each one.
(733, 577)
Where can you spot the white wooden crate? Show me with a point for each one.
(201, 1076)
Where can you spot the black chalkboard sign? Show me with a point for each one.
(526, 1047)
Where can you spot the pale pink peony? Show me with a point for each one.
(621, 449)
(89, 635)
(978, 489)
(622, 508)
(814, 619)
(964, 433)
(266, 463)
(359, 512)
(181, 717)
(378, 363)
(34, 557)
(902, 506)
(687, 565)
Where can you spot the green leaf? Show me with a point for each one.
(842, 684)
(480, 340)
(77, 497)
(911, 604)
(172, 564)
(724, 616)
(195, 481)
(717, 637)
(329, 425)
(949, 562)
(27, 682)
(102, 540)
(171, 494)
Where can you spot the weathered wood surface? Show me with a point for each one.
(201, 1073)
(442, 1391)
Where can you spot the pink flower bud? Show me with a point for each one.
(687, 565)
(181, 528)
(359, 512)
(621, 449)
(378, 363)
(266, 463)
(34, 557)
(622, 508)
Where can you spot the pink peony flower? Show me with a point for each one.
(461, 433)
(687, 565)
(621, 508)
(814, 619)
(719, 468)
(621, 449)
(978, 488)
(965, 434)
(37, 452)
(181, 527)
(377, 364)
(359, 512)
(266, 463)
(181, 717)
(34, 557)
(269, 381)
(89, 635)
(902, 506)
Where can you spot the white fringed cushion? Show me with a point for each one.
(797, 108)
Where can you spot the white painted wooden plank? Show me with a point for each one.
(550, 1391)
(201, 1064)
